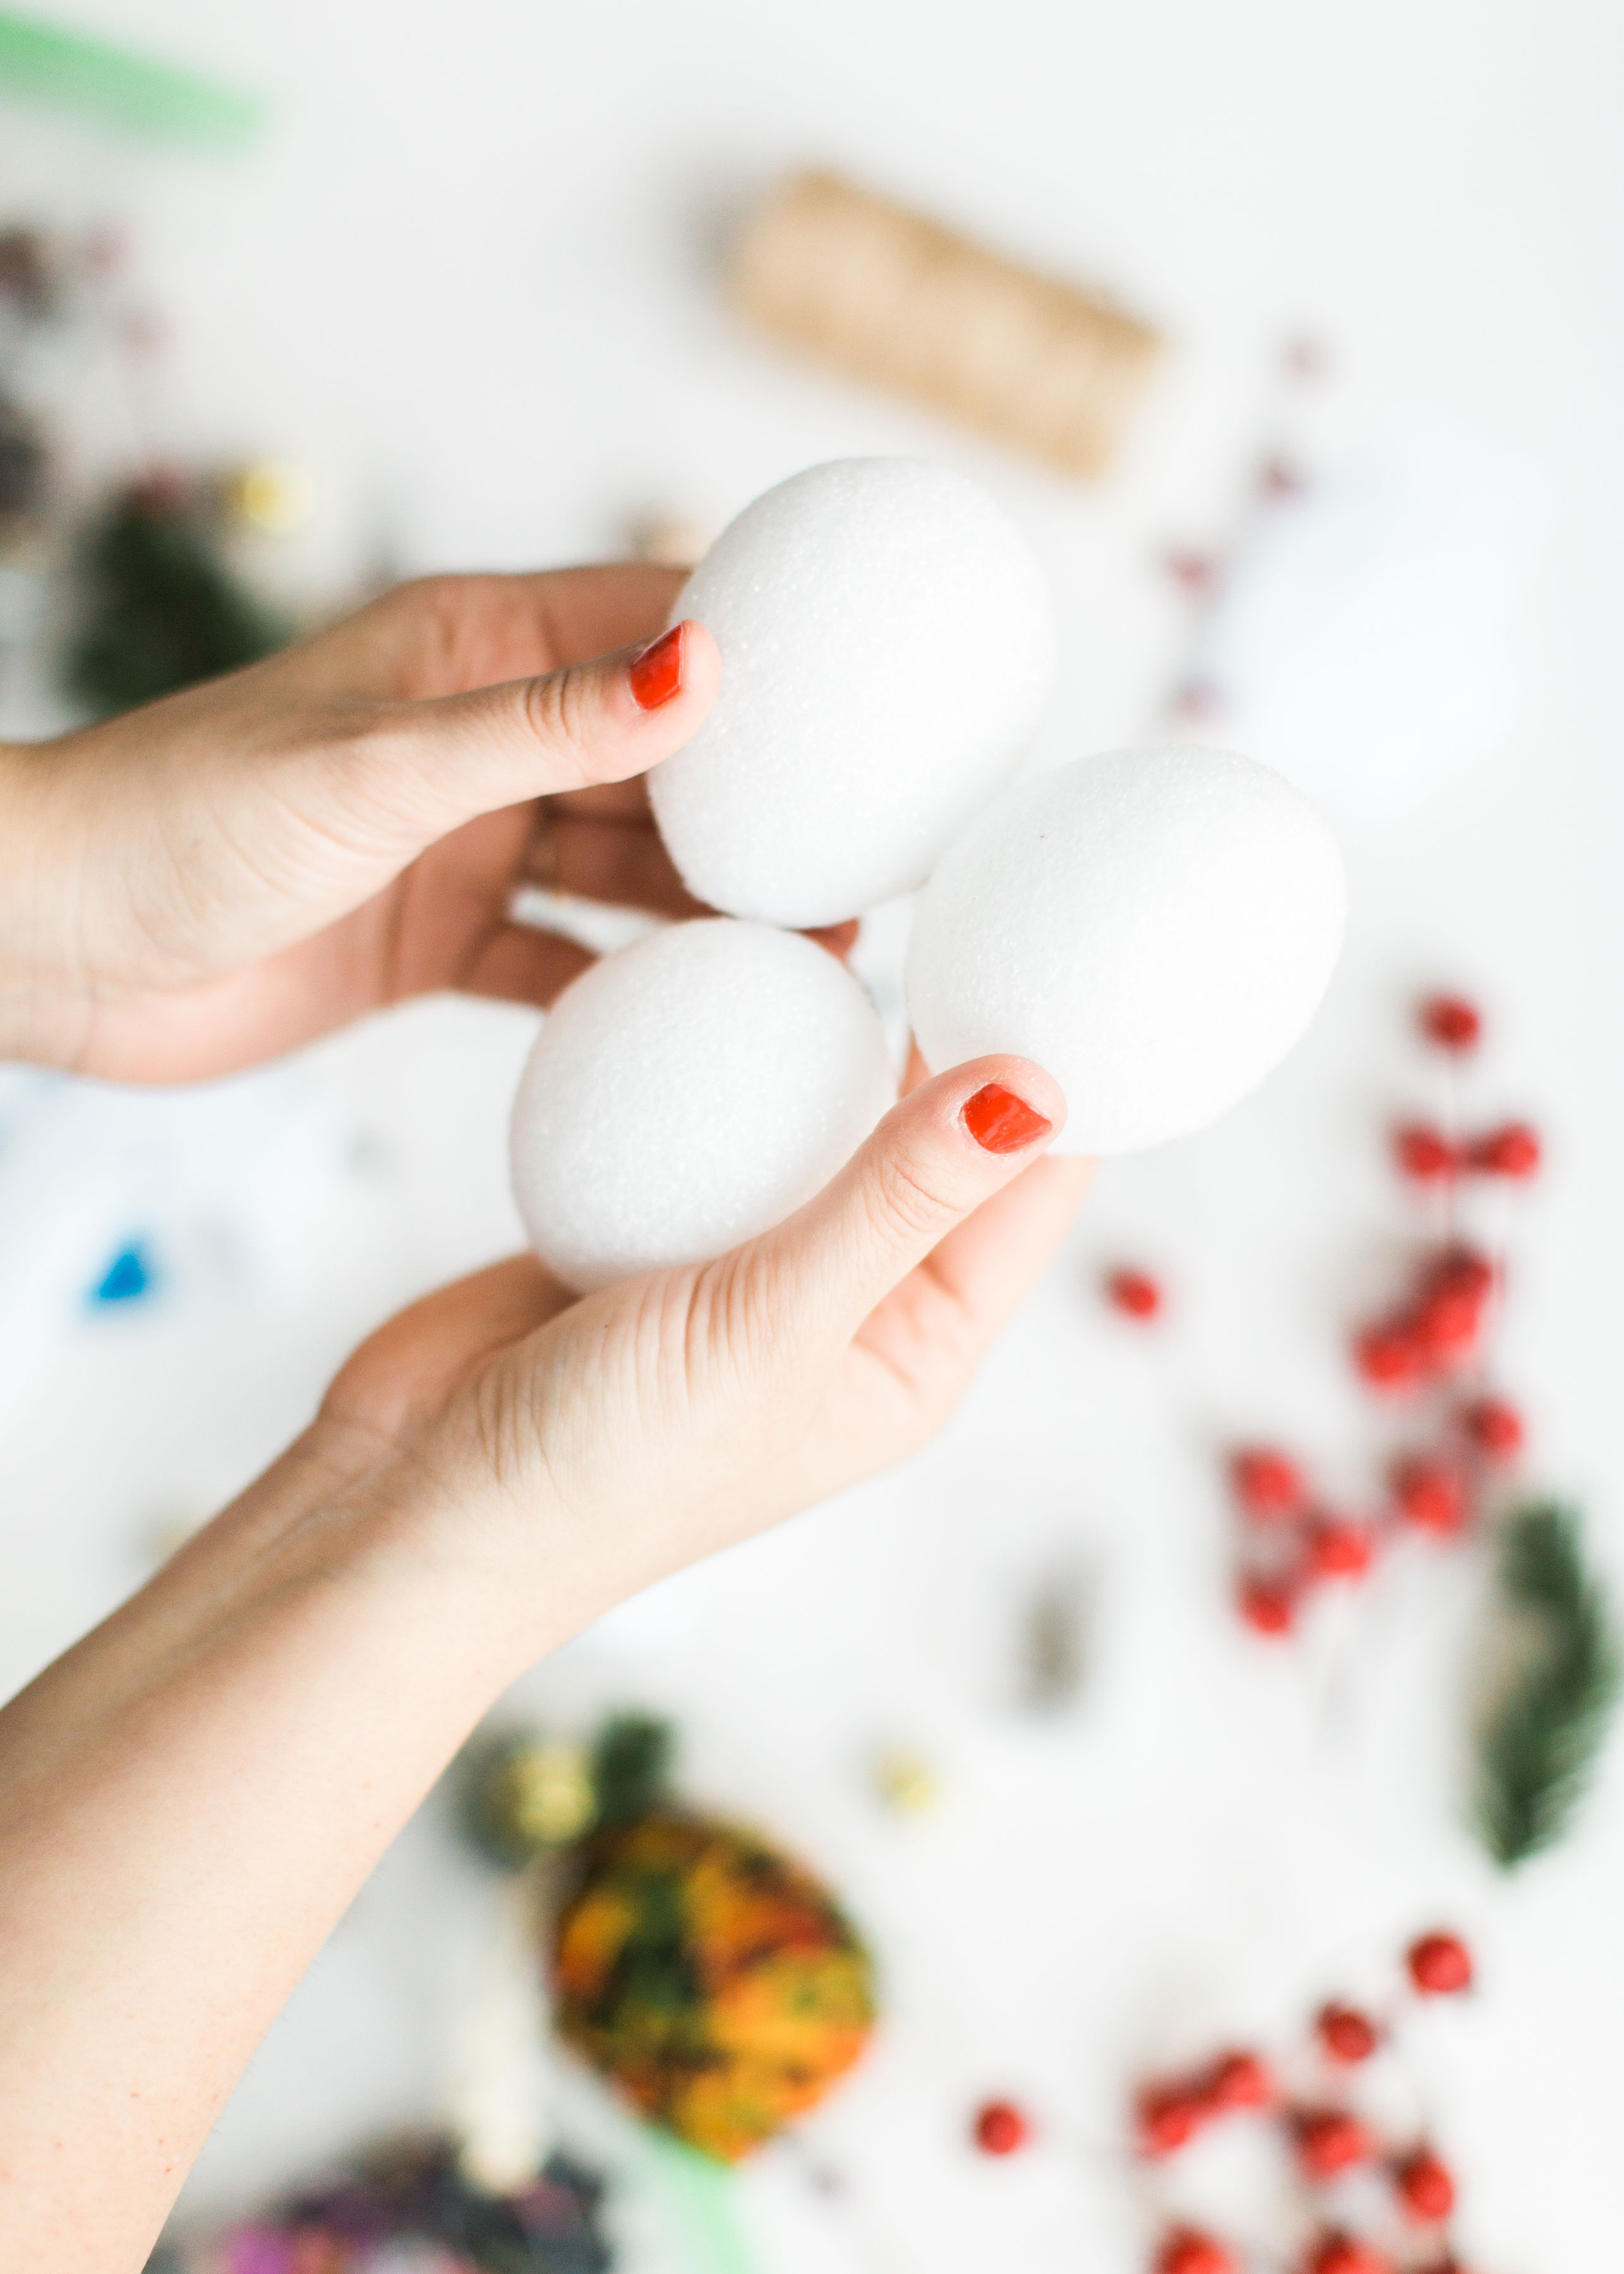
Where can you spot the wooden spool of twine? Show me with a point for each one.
(889, 297)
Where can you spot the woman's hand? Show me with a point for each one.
(598, 1442)
(192, 1794)
(221, 875)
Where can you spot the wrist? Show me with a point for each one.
(32, 899)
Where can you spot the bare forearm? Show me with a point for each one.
(188, 1801)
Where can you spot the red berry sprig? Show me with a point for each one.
(1329, 2140)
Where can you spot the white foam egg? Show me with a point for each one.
(687, 1093)
(887, 644)
(1155, 928)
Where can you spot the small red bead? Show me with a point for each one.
(1189, 2252)
(1347, 2034)
(1134, 1293)
(1001, 2129)
(1329, 2141)
(1267, 1483)
(1495, 1428)
(1267, 1606)
(1425, 2187)
(1511, 1151)
(1423, 1152)
(1451, 1021)
(1338, 1549)
(1431, 1494)
(1169, 2117)
(1240, 2080)
(1340, 2253)
(1389, 1356)
(1440, 1965)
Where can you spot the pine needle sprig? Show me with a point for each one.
(1538, 1746)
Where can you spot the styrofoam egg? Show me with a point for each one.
(690, 1092)
(887, 643)
(1155, 928)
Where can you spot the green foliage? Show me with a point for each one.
(631, 1765)
(161, 610)
(1538, 1746)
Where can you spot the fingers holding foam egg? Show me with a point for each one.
(950, 1147)
(447, 761)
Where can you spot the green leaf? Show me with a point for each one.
(1538, 1747)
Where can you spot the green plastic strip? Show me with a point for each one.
(117, 89)
(703, 2193)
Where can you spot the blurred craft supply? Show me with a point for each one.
(1367, 632)
(95, 1176)
(892, 297)
(116, 87)
(161, 606)
(1540, 1743)
(407, 2207)
(714, 1982)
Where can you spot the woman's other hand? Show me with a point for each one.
(219, 876)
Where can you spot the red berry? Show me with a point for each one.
(1340, 2253)
(1133, 1293)
(1511, 1151)
(1389, 1356)
(1267, 1606)
(1267, 1483)
(1347, 2034)
(1169, 2117)
(1425, 2184)
(1494, 1428)
(1424, 1152)
(1459, 1271)
(1430, 1494)
(1451, 1021)
(1447, 1325)
(1001, 2129)
(1240, 2080)
(1338, 1549)
(1329, 2141)
(1440, 1965)
(1188, 2252)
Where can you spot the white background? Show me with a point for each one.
(470, 277)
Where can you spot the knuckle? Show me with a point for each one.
(906, 1202)
(558, 711)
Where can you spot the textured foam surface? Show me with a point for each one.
(887, 644)
(1155, 928)
(690, 1092)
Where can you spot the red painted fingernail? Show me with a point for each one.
(1000, 1122)
(657, 673)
